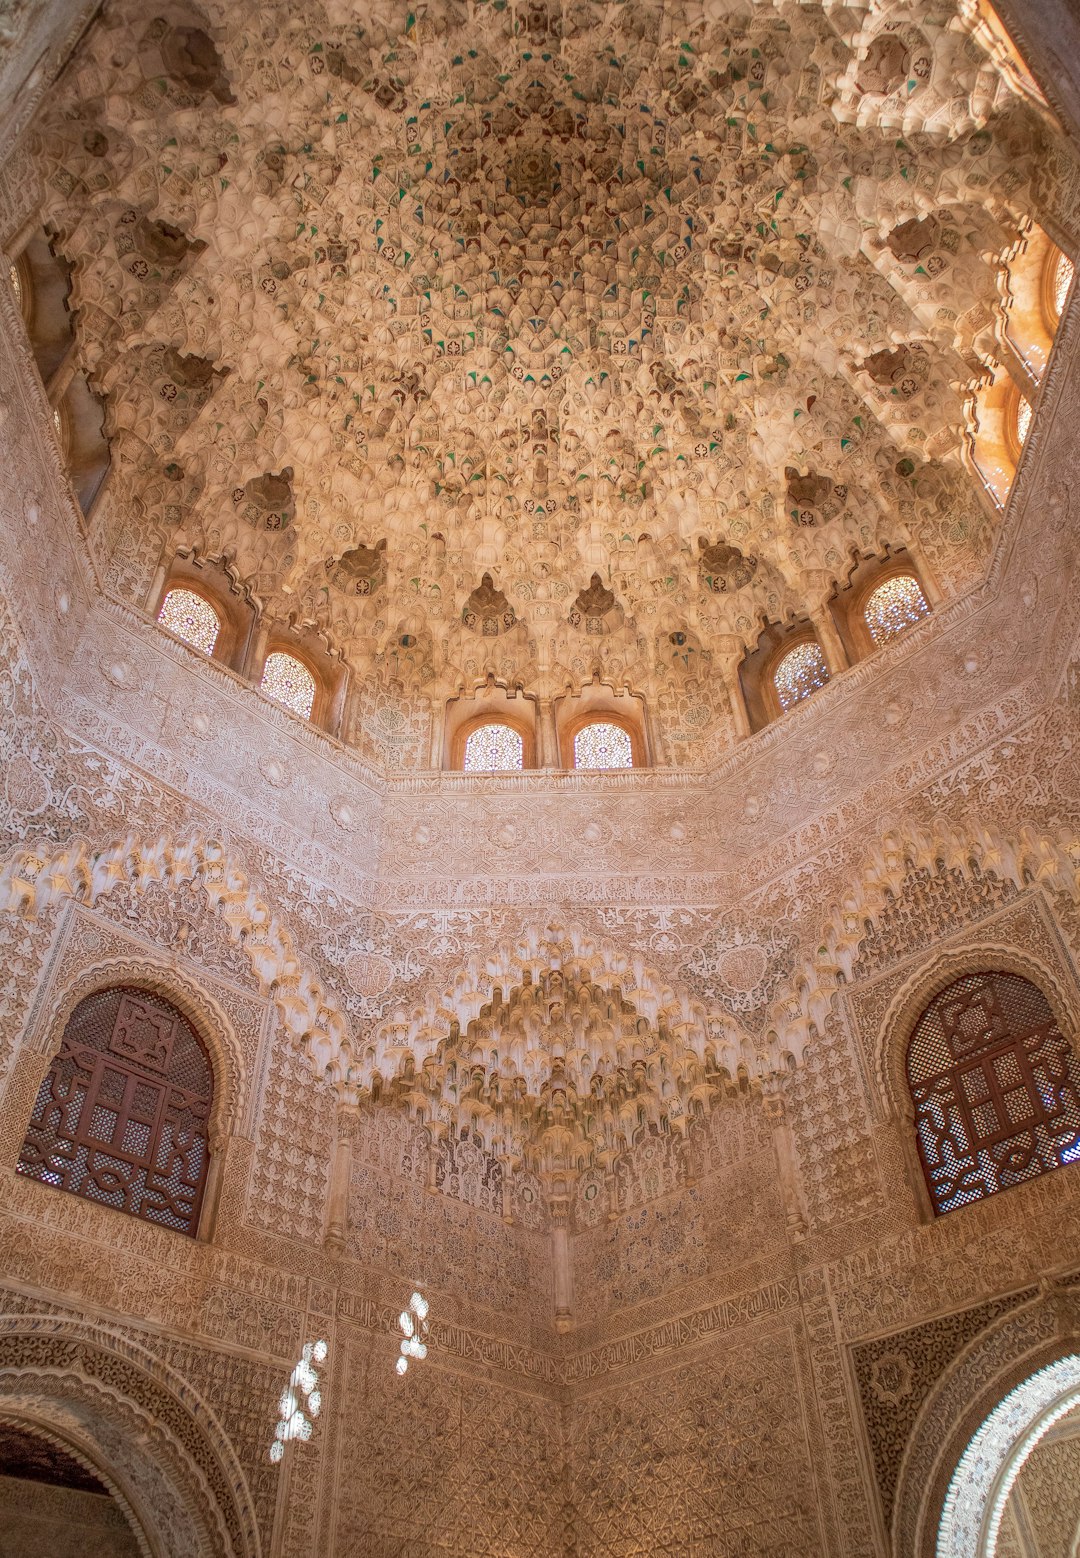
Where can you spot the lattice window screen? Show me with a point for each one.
(603, 745)
(996, 1088)
(122, 1116)
(801, 672)
(493, 748)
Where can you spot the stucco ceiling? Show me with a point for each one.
(655, 315)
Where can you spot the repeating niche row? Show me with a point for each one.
(879, 601)
(492, 730)
(199, 603)
(1039, 280)
(495, 730)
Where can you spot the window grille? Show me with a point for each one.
(801, 672)
(1064, 272)
(288, 681)
(1023, 420)
(603, 745)
(121, 1118)
(494, 748)
(191, 618)
(995, 1086)
(895, 605)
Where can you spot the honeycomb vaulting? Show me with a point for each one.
(666, 310)
(538, 342)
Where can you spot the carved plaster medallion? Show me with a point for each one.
(275, 772)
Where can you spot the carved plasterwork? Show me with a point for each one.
(1042, 1499)
(896, 1374)
(635, 289)
(605, 1063)
(1018, 940)
(184, 1486)
(116, 1522)
(1007, 1352)
(67, 1524)
(766, 1003)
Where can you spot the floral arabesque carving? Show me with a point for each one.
(897, 1372)
(1029, 856)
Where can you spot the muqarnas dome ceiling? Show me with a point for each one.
(681, 303)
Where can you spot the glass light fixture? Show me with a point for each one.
(413, 1323)
(294, 1419)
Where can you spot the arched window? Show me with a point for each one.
(1022, 420)
(494, 748)
(288, 681)
(15, 282)
(893, 606)
(192, 618)
(995, 1087)
(122, 1116)
(603, 744)
(801, 672)
(1064, 271)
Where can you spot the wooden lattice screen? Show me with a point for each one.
(121, 1118)
(996, 1088)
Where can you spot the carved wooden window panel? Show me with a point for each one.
(996, 1089)
(121, 1118)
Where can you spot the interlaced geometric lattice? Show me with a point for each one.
(602, 745)
(191, 618)
(289, 682)
(493, 748)
(122, 1116)
(996, 1088)
(1063, 279)
(801, 672)
(894, 606)
(15, 282)
(1023, 420)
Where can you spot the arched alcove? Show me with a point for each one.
(987, 1471)
(54, 1500)
(987, 1412)
(136, 1425)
